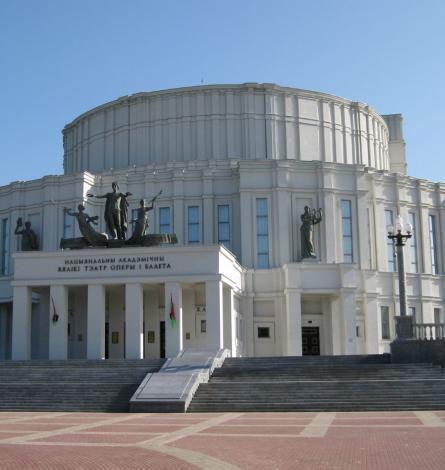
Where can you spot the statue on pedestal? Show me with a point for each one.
(29, 238)
(141, 223)
(309, 219)
(116, 211)
(85, 222)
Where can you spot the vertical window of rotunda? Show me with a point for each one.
(164, 220)
(384, 322)
(413, 242)
(389, 244)
(193, 225)
(5, 247)
(433, 244)
(346, 218)
(262, 233)
(224, 225)
(68, 225)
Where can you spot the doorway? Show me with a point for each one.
(311, 340)
(162, 339)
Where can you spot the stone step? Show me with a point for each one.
(320, 384)
(73, 385)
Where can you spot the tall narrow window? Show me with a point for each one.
(433, 244)
(224, 225)
(164, 220)
(193, 225)
(134, 216)
(413, 243)
(5, 247)
(437, 315)
(389, 243)
(68, 225)
(262, 233)
(346, 217)
(384, 319)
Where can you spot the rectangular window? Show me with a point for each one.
(68, 225)
(134, 217)
(412, 312)
(433, 244)
(437, 315)
(224, 225)
(262, 233)
(384, 319)
(263, 332)
(389, 244)
(5, 247)
(164, 220)
(346, 218)
(193, 225)
(413, 243)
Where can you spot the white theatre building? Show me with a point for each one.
(236, 164)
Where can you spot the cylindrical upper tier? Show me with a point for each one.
(243, 122)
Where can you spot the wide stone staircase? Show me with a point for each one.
(321, 383)
(74, 385)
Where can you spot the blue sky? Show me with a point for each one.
(59, 58)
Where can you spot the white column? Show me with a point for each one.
(372, 317)
(3, 314)
(21, 323)
(362, 241)
(248, 324)
(293, 322)
(336, 327)
(134, 334)
(215, 319)
(58, 331)
(230, 325)
(96, 322)
(173, 333)
(44, 324)
(348, 307)
(329, 226)
(247, 229)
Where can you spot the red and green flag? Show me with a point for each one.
(172, 312)
(55, 316)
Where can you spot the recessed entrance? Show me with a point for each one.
(162, 339)
(311, 340)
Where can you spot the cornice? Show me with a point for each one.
(225, 88)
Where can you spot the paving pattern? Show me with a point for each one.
(216, 441)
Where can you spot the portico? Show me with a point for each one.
(129, 303)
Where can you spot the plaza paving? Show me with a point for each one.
(374, 440)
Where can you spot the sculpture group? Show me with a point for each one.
(116, 221)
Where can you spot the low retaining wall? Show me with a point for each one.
(417, 350)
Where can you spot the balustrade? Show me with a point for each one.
(429, 331)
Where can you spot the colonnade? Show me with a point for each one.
(219, 299)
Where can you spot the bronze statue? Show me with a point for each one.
(84, 220)
(141, 223)
(29, 238)
(309, 219)
(116, 211)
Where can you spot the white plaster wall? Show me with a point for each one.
(220, 122)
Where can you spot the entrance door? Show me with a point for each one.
(107, 339)
(162, 338)
(311, 340)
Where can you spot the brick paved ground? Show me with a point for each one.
(214, 441)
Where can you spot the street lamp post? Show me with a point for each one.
(395, 233)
